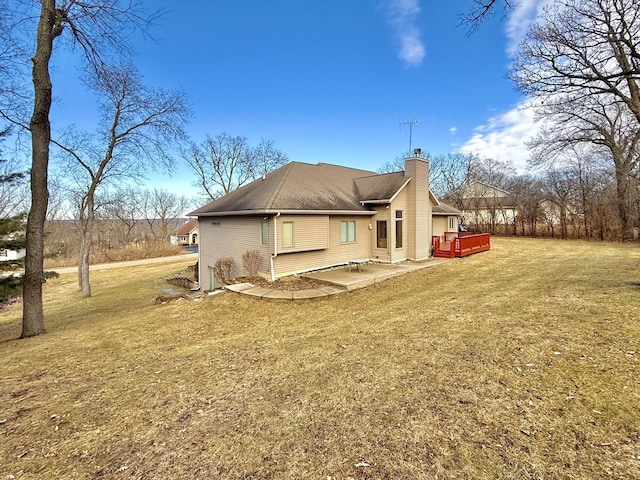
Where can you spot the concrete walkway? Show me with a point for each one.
(338, 280)
(273, 294)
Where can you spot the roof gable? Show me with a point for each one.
(380, 188)
(478, 189)
(187, 228)
(444, 209)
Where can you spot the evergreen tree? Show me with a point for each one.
(11, 239)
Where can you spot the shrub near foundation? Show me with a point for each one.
(251, 262)
(223, 268)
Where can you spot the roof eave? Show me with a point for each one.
(375, 202)
(285, 212)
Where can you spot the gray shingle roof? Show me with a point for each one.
(444, 209)
(378, 188)
(187, 228)
(306, 187)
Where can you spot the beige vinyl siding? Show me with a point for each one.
(440, 225)
(230, 237)
(310, 232)
(401, 202)
(419, 215)
(335, 253)
(380, 254)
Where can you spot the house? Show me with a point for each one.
(188, 234)
(304, 217)
(7, 254)
(484, 205)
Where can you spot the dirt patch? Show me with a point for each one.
(292, 282)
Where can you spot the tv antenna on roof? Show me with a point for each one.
(411, 124)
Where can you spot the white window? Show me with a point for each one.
(451, 224)
(287, 234)
(347, 231)
(265, 232)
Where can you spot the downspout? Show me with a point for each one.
(275, 245)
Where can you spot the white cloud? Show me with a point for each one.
(402, 16)
(503, 137)
(453, 130)
(525, 13)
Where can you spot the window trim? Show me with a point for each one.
(347, 231)
(379, 237)
(286, 235)
(264, 233)
(399, 236)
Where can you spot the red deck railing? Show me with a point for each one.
(461, 245)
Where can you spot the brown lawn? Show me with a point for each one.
(521, 362)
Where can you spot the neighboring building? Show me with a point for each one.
(483, 205)
(445, 219)
(7, 254)
(304, 217)
(188, 234)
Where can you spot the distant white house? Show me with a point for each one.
(484, 205)
(9, 254)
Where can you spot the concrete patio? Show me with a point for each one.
(338, 280)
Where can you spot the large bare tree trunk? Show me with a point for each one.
(85, 246)
(48, 29)
(83, 264)
(622, 183)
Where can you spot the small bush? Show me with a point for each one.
(251, 262)
(223, 268)
(10, 287)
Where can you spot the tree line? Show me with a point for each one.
(575, 199)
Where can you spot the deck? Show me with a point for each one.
(460, 244)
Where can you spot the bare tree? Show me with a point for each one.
(582, 48)
(603, 122)
(455, 171)
(482, 9)
(125, 206)
(395, 165)
(100, 28)
(139, 126)
(560, 188)
(527, 195)
(223, 163)
(581, 65)
(266, 158)
(162, 211)
(590, 172)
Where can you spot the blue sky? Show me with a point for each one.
(330, 81)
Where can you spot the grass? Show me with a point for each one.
(122, 254)
(521, 362)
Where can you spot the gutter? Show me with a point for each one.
(286, 212)
(275, 245)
